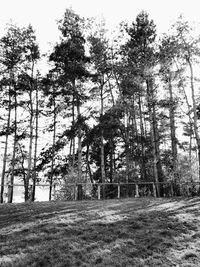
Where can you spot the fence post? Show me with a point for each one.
(75, 192)
(172, 190)
(99, 191)
(187, 190)
(154, 190)
(5, 194)
(118, 191)
(54, 191)
(30, 191)
(136, 190)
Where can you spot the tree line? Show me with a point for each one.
(119, 109)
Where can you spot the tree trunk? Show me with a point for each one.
(173, 129)
(127, 147)
(142, 136)
(79, 150)
(103, 176)
(191, 131)
(73, 122)
(103, 173)
(112, 169)
(157, 145)
(190, 152)
(79, 145)
(88, 165)
(26, 191)
(53, 147)
(134, 135)
(29, 170)
(11, 184)
(154, 134)
(5, 150)
(111, 92)
(36, 144)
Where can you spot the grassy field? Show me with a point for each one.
(129, 232)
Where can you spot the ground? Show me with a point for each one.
(129, 232)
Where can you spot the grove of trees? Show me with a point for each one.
(109, 109)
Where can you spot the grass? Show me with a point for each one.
(129, 232)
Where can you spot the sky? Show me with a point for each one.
(43, 14)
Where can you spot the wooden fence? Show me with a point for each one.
(98, 191)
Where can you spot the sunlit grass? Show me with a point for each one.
(130, 232)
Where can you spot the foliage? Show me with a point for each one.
(118, 109)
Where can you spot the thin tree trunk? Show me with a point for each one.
(102, 139)
(159, 166)
(191, 131)
(22, 165)
(127, 148)
(103, 173)
(134, 132)
(36, 145)
(11, 184)
(127, 144)
(173, 130)
(111, 159)
(79, 145)
(53, 147)
(153, 132)
(142, 136)
(79, 150)
(88, 165)
(70, 148)
(29, 170)
(73, 121)
(190, 154)
(5, 150)
(111, 92)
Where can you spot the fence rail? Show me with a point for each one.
(86, 191)
(80, 191)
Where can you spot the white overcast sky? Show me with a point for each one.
(42, 14)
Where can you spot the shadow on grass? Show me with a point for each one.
(28, 212)
(140, 237)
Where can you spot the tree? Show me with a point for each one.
(37, 113)
(99, 51)
(141, 59)
(168, 53)
(7, 133)
(70, 62)
(14, 52)
(187, 55)
(53, 91)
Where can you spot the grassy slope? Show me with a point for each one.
(129, 232)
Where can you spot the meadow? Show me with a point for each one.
(128, 232)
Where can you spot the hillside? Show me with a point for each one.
(129, 232)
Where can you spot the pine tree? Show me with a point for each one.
(70, 62)
(141, 59)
